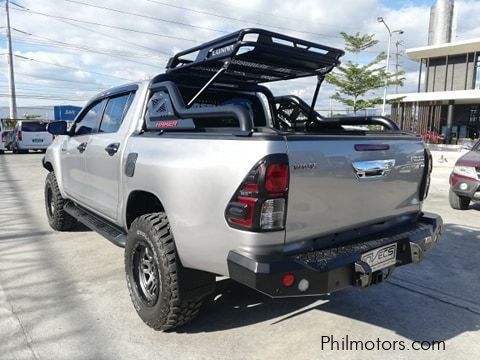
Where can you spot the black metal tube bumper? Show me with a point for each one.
(328, 270)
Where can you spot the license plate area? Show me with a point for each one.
(37, 140)
(381, 257)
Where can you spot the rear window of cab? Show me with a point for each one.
(34, 127)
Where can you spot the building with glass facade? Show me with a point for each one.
(447, 101)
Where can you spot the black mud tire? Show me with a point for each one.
(458, 202)
(162, 309)
(58, 219)
(2, 152)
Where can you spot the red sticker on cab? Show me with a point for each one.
(166, 124)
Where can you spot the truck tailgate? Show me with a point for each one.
(338, 183)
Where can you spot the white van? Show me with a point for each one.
(31, 135)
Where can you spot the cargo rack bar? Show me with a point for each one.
(254, 56)
(245, 59)
(315, 117)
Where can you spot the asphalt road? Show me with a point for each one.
(63, 295)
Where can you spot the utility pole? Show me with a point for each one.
(11, 78)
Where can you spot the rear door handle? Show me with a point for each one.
(373, 169)
(81, 148)
(112, 148)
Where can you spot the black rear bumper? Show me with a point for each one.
(336, 268)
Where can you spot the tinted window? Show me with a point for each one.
(88, 123)
(114, 112)
(34, 127)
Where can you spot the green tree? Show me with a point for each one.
(9, 124)
(32, 116)
(354, 81)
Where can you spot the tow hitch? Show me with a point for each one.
(364, 276)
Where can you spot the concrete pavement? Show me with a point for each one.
(63, 295)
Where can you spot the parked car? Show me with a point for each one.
(30, 135)
(468, 145)
(465, 180)
(3, 139)
(7, 139)
(4, 135)
(202, 171)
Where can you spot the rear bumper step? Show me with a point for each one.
(97, 224)
(323, 271)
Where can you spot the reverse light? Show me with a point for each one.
(272, 215)
(303, 285)
(467, 171)
(259, 204)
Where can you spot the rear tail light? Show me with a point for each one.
(19, 135)
(288, 279)
(425, 183)
(276, 178)
(260, 202)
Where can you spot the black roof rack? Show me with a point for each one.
(249, 57)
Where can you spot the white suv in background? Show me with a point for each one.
(31, 135)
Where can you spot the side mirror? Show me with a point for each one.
(57, 128)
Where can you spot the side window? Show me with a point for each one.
(89, 122)
(114, 113)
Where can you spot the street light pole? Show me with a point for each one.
(387, 60)
(11, 78)
(397, 54)
(386, 72)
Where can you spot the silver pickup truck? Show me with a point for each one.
(203, 172)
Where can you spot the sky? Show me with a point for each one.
(67, 50)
